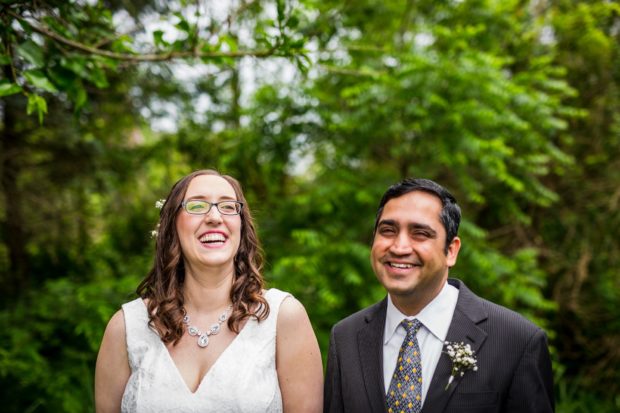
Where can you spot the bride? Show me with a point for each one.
(204, 335)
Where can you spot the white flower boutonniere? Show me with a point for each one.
(463, 358)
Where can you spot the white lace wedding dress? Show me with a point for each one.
(243, 379)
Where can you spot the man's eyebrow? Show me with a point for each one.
(389, 222)
(417, 226)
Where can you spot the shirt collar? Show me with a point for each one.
(436, 316)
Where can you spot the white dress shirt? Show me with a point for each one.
(435, 318)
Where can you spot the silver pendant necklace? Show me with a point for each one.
(203, 337)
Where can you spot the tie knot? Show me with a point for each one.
(411, 326)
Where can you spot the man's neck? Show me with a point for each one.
(411, 304)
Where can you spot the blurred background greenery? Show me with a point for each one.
(316, 107)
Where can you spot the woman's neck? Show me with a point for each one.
(207, 292)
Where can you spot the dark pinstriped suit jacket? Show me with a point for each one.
(514, 368)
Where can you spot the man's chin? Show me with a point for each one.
(401, 290)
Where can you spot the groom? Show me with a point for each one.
(392, 356)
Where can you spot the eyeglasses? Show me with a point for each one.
(200, 207)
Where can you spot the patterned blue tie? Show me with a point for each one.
(405, 392)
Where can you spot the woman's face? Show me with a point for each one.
(210, 241)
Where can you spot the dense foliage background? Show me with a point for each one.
(316, 107)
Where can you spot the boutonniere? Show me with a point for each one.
(462, 357)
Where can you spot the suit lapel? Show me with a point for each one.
(463, 328)
(370, 346)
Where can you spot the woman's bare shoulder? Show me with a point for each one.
(116, 326)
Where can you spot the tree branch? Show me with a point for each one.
(149, 57)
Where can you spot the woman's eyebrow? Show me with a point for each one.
(204, 198)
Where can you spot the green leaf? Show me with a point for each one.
(38, 104)
(8, 88)
(232, 43)
(98, 77)
(5, 60)
(38, 79)
(296, 44)
(32, 52)
(183, 25)
(75, 64)
(158, 38)
(58, 26)
(25, 25)
(122, 44)
(88, 70)
(280, 8)
(292, 22)
(80, 98)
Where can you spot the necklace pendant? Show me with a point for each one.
(215, 328)
(203, 340)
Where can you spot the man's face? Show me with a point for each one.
(407, 253)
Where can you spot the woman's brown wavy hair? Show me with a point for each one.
(162, 287)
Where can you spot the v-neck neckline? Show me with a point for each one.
(250, 321)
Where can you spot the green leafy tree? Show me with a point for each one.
(60, 47)
(578, 240)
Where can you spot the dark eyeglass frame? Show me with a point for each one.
(238, 206)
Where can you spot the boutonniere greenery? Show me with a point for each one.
(463, 359)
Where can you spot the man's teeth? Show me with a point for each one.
(399, 265)
(213, 238)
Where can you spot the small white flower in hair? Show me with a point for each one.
(159, 204)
